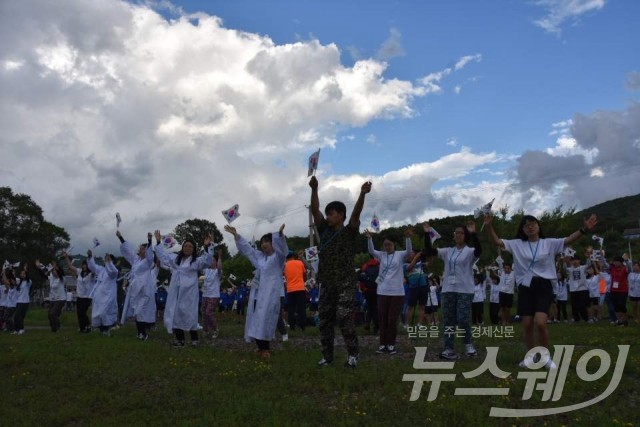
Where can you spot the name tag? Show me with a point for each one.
(452, 279)
(615, 285)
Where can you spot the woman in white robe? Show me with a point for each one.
(104, 313)
(264, 307)
(181, 310)
(140, 302)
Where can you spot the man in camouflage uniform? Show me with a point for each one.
(336, 273)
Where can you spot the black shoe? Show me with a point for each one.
(177, 344)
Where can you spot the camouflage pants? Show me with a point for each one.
(336, 305)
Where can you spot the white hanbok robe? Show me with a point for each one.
(181, 309)
(140, 301)
(104, 310)
(264, 299)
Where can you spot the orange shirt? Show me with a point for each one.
(294, 273)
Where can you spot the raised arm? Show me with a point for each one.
(589, 223)
(315, 202)
(126, 249)
(475, 242)
(70, 266)
(243, 246)
(493, 236)
(280, 243)
(354, 220)
(428, 249)
(165, 258)
(408, 245)
(91, 264)
(372, 250)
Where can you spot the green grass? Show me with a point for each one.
(73, 379)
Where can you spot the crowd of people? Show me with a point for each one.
(394, 286)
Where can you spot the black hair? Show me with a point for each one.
(87, 272)
(467, 235)
(181, 253)
(337, 206)
(266, 238)
(520, 234)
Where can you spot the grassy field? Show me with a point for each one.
(73, 379)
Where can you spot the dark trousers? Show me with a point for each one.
(9, 313)
(610, 308)
(494, 312)
(179, 333)
(82, 307)
(477, 309)
(388, 312)
(296, 307)
(562, 310)
(143, 327)
(579, 304)
(21, 313)
(55, 310)
(372, 310)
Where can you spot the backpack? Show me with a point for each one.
(369, 276)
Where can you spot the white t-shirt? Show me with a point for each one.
(479, 293)
(561, 290)
(391, 271)
(432, 301)
(577, 277)
(534, 259)
(593, 283)
(458, 269)
(211, 286)
(495, 294)
(634, 284)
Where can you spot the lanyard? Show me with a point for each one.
(533, 254)
(324, 244)
(453, 270)
(384, 273)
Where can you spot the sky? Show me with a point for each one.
(164, 111)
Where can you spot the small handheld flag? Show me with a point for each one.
(168, 241)
(598, 239)
(433, 235)
(311, 254)
(484, 210)
(232, 277)
(118, 220)
(569, 252)
(96, 242)
(313, 163)
(232, 213)
(375, 223)
(6, 265)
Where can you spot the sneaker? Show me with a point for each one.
(106, 333)
(592, 321)
(144, 337)
(285, 337)
(325, 362)
(449, 354)
(391, 349)
(622, 324)
(382, 349)
(177, 344)
(21, 332)
(352, 362)
(194, 343)
(214, 334)
(471, 351)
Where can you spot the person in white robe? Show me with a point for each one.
(104, 313)
(140, 302)
(181, 310)
(264, 308)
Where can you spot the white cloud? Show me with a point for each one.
(115, 108)
(561, 11)
(392, 47)
(567, 146)
(431, 82)
(452, 142)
